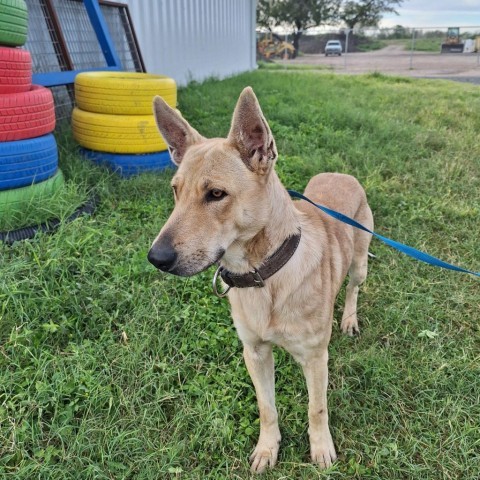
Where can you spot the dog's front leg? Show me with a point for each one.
(259, 361)
(315, 368)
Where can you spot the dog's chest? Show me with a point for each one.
(291, 321)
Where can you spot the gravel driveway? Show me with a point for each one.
(395, 60)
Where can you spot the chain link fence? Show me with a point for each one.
(61, 38)
(435, 51)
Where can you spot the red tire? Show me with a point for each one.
(26, 115)
(15, 70)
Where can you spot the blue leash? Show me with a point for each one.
(410, 251)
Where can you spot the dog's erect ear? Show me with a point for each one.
(251, 135)
(175, 130)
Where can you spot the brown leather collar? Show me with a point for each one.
(270, 266)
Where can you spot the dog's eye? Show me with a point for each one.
(215, 194)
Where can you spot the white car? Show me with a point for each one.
(333, 47)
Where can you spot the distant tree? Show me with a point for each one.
(433, 34)
(297, 15)
(399, 31)
(366, 13)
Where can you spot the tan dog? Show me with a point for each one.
(231, 209)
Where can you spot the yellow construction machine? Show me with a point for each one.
(452, 43)
(270, 46)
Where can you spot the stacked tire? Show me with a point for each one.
(114, 121)
(28, 150)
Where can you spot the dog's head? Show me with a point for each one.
(218, 187)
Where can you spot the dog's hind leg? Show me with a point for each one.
(349, 325)
(357, 275)
(260, 366)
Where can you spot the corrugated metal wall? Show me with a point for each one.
(195, 39)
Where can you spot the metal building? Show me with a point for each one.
(195, 39)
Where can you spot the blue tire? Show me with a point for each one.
(128, 165)
(26, 162)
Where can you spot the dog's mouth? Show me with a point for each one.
(190, 268)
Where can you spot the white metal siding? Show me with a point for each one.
(195, 39)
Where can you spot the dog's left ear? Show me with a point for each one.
(251, 135)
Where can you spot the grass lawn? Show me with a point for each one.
(371, 45)
(426, 44)
(111, 370)
(292, 66)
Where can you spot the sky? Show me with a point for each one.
(435, 13)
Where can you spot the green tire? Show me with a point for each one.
(19, 199)
(13, 23)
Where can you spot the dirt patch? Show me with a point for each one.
(395, 60)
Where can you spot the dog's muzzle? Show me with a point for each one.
(165, 257)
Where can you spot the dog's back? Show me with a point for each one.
(339, 192)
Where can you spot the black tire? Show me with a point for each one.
(49, 226)
(13, 22)
(26, 162)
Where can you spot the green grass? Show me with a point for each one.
(110, 370)
(427, 44)
(370, 45)
(292, 66)
(421, 44)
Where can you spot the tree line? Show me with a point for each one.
(297, 16)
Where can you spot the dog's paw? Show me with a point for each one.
(349, 326)
(323, 453)
(264, 455)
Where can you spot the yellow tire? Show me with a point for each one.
(122, 93)
(116, 133)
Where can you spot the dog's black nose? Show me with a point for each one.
(163, 257)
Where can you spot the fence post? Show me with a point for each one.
(412, 49)
(346, 48)
(101, 31)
